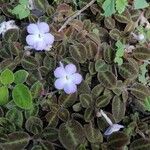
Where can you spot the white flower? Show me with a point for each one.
(7, 25)
(67, 78)
(112, 127)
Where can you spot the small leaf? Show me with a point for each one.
(118, 109)
(108, 54)
(41, 4)
(7, 77)
(34, 125)
(127, 70)
(71, 134)
(138, 4)
(140, 144)
(103, 100)
(78, 52)
(52, 118)
(121, 5)
(36, 89)
(85, 100)
(29, 63)
(115, 34)
(4, 95)
(16, 141)
(20, 76)
(97, 90)
(141, 53)
(88, 114)
(100, 65)
(22, 96)
(109, 7)
(16, 116)
(147, 103)
(140, 91)
(93, 135)
(109, 22)
(21, 10)
(118, 140)
(32, 112)
(63, 114)
(66, 100)
(50, 133)
(11, 35)
(107, 78)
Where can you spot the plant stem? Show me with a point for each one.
(75, 15)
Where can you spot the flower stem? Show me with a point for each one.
(75, 15)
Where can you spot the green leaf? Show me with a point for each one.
(34, 125)
(24, 2)
(16, 116)
(142, 74)
(4, 95)
(7, 77)
(141, 53)
(109, 7)
(119, 53)
(36, 89)
(22, 96)
(121, 5)
(140, 91)
(93, 134)
(71, 134)
(20, 76)
(117, 140)
(21, 11)
(118, 109)
(147, 103)
(107, 78)
(15, 141)
(139, 4)
(140, 144)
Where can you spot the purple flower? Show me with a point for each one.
(39, 37)
(68, 79)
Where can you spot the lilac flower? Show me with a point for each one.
(112, 127)
(68, 79)
(7, 25)
(39, 37)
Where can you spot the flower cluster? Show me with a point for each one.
(39, 37)
(67, 78)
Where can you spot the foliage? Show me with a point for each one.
(143, 73)
(21, 10)
(119, 53)
(114, 66)
(138, 4)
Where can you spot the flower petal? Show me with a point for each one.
(113, 128)
(33, 28)
(70, 88)
(48, 38)
(43, 27)
(109, 131)
(70, 69)
(59, 72)
(60, 83)
(76, 78)
(31, 39)
(39, 45)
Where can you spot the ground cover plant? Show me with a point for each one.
(74, 75)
